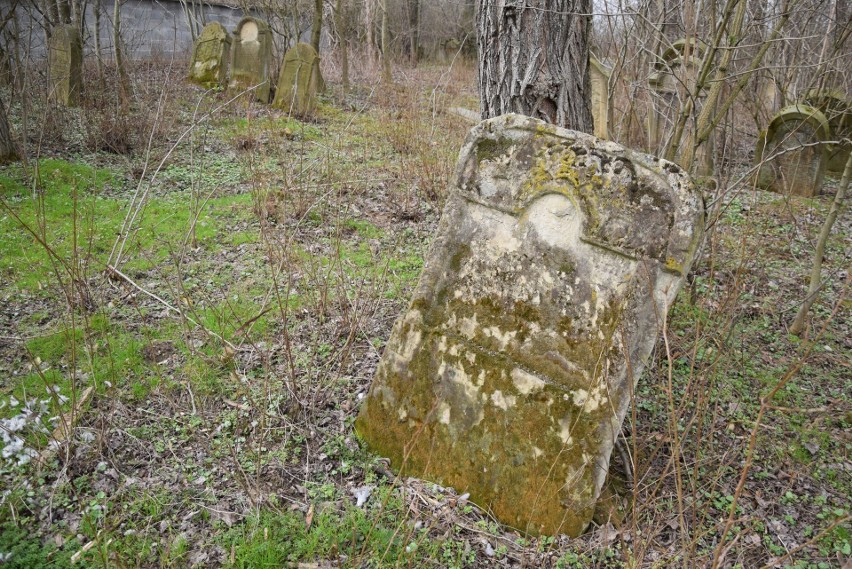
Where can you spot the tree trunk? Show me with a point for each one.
(370, 26)
(342, 23)
(123, 78)
(387, 76)
(316, 27)
(8, 152)
(534, 60)
(413, 30)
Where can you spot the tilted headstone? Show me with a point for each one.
(675, 75)
(600, 96)
(252, 54)
(65, 57)
(510, 373)
(297, 83)
(790, 153)
(838, 113)
(211, 56)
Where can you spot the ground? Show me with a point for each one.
(189, 324)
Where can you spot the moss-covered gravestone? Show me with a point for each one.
(791, 153)
(298, 81)
(838, 113)
(510, 373)
(600, 96)
(211, 55)
(65, 57)
(252, 54)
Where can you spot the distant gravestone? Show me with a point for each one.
(790, 153)
(676, 72)
(252, 53)
(298, 81)
(211, 56)
(600, 97)
(65, 57)
(510, 373)
(838, 113)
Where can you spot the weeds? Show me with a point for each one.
(229, 350)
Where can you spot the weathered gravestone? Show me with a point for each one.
(510, 372)
(791, 153)
(210, 56)
(252, 54)
(838, 113)
(674, 78)
(600, 96)
(298, 82)
(65, 58)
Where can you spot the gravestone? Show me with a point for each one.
(65, 58)
(210, 56)
(675, 75)
(600, 96)
(252, 53)
(789, 153)
(838, 113)
(510, 372)
(298, 81)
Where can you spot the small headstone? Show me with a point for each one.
(838, 113)
(252, 54)
(298, 81)
(211, 56)
(790, 153)
(675, 72)
(510, 373)
(600, 96)
(65, 57)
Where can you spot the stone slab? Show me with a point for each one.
(510, 373)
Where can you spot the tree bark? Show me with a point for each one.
(120, 66)
(342, 24)
(316, 27)
(8, 152)
(534, 60)
(414, 30)
(387, 76)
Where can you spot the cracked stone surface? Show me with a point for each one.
(510, 373)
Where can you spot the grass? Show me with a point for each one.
(220, 429)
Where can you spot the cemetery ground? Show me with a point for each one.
(190, 320)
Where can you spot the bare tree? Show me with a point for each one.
(8, 152)
(534, 60)
(341, 22)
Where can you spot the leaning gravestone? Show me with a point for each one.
(298, 82)
(791, 153)
(838, 113)
(65, 58)
(676, 72)
(252, 54)
(211, 56)
(510, 373)
(600, 96)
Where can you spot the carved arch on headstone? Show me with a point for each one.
(797, 133)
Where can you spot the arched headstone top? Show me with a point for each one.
(790, 154)
(301, 52)
(673, 58)
(798, 114)
(251, 29)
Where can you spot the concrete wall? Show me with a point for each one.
(149, 27)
